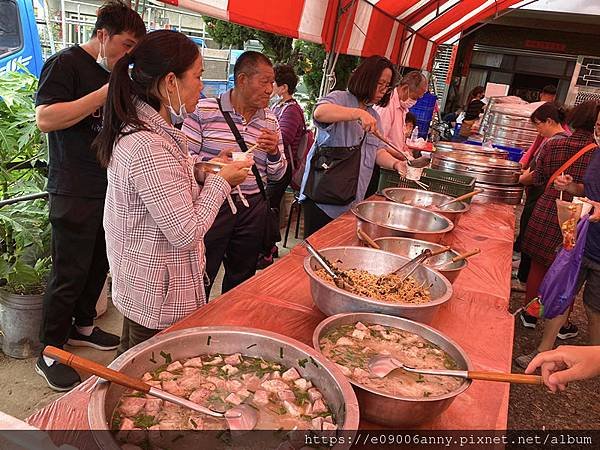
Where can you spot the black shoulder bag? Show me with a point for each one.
(272, 233)
(333, 176)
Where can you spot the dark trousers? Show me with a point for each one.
(235, 240)
(314, 217)
(276, 190)
(79, 266)
(133, 334)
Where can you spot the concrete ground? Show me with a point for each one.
(23, 392)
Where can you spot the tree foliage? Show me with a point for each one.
(24, 227)
(306, 57)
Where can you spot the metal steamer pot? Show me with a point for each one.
(215, 339)
(493, 193)
(426, 200)
(477, 150)
(508, 124)
(388, 219)
(396, 411)
(485, 170)
(332, 300)
(411, 248)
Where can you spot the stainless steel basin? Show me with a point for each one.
(204, 340)
(427, 200)
(388, 219)
(410, 248)
(396, 411)
(332, 300)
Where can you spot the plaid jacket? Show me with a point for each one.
(543, 236)
(155, 219)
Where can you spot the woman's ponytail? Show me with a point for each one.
(118, 111)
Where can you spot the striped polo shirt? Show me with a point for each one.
(209, 134)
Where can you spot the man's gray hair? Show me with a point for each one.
(413, 79)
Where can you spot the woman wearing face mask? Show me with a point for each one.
(543, 236)
(589, 273)
(549, 120)
(156, 214)
(344, 121)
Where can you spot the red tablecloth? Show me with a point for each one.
(278, 299)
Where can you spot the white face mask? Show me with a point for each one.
(409, 103)
(176, 118)
(101, 59)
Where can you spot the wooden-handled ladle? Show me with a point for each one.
(382, 365)
(457, 258)
(242, 417)
(460, 198)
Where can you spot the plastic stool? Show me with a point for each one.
(298, 206)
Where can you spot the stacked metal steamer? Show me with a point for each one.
(504, 124)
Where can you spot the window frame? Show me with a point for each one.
(20, 32)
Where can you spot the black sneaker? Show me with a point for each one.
(58, 376)
(528, 320)
(100, 340)
(568, 331)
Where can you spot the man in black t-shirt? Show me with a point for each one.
(72, 90)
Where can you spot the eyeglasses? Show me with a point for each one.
(384, 86)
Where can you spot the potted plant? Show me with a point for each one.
(24, 226)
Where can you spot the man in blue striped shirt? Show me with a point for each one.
(236, 236)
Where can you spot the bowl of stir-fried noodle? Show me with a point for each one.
(370, 286)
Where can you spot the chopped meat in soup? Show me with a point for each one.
(352, 346)
(283, 398)
(385, 288)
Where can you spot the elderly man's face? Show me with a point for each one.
(256, 88)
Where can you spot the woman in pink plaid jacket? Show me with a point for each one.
(156, 214)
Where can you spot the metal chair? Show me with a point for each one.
(296, 205)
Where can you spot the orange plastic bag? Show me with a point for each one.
(568, 216)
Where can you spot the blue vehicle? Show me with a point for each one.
(19, 39)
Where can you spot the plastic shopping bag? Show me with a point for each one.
(558, 288)
(568, 215)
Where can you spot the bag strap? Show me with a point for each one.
(242, 144)
(570, 162)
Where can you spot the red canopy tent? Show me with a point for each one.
(406, 31)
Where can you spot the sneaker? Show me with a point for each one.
(524, 360)
(528, 320)
(58, 376)
(568, 331)
(100, 340)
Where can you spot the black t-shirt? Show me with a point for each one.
(73, 168)
(474, 109)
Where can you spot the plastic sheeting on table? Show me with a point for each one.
(278, 299)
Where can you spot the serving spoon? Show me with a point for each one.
(457, 258)
(382, 365)
(241, 417)
(460, 198)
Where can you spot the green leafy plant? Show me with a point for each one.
(24, 227)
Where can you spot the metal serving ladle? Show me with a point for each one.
(241, 417)
(382, 365)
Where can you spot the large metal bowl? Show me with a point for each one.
(388, 219)
(410, 248)
(195, 341)
(332, 300)
(428, 201)
(396, 411)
